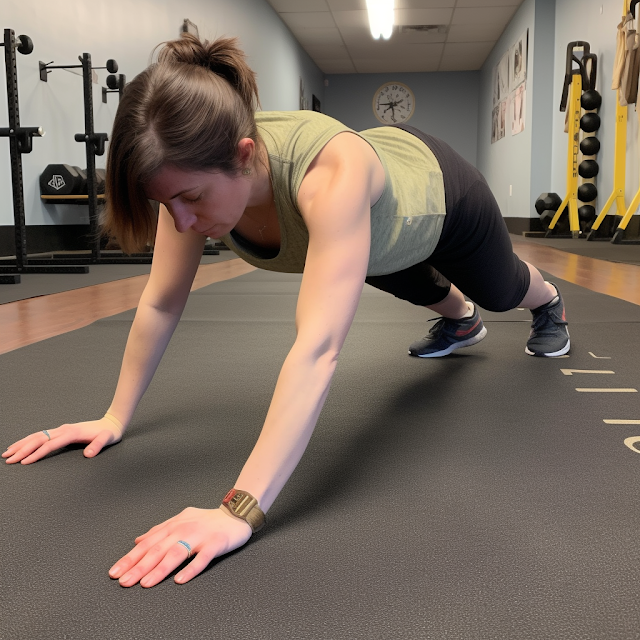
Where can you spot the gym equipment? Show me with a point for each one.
(65, 180)
(20, 141)
(587, 192)
(622, 215)
(588, 168)
(587, 212)
(580, 74)
(115, 84)
(548, 202)
(590, 146)
(590, 122)
(95, 146)
(591, 100)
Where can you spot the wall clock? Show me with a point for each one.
(393, 103)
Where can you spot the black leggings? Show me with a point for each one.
(474, 251)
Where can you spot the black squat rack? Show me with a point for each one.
(21, 141)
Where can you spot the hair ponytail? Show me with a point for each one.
(222, 56)
(190, 109)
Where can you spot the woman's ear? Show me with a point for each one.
(246, 152)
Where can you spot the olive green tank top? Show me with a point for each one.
(406, 221)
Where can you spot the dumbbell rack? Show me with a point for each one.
(20, 141)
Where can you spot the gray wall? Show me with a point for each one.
(507, 163)
(446, 104)
(126, 30)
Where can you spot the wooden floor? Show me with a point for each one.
(28, 321)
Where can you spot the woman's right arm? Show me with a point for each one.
(175, 262)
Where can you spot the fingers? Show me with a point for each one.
(198, 564)
(35, 447)
(150, 563)
(137, 553)
(26, 445)
(98, 443)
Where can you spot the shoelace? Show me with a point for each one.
(546, 319)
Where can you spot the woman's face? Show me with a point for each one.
(208, 203)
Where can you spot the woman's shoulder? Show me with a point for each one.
(303, 115)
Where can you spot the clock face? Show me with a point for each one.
(393, 103)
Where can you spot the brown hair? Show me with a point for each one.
(189, 109)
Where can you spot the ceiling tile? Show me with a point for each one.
(426, 4)
(465, 56)
(336, 66)
(397, 51)
(485, 15)
(393, 65)
(418, 37)
(334, 52)
(308, 20)
(490, 3)
(299, 5)
(423, 16)
(350, 19)
(347, 5)
(475, 33)
(327, 37)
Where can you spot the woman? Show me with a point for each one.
(295, 192)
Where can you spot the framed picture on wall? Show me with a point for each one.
(315, 104)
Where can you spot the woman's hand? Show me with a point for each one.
(208, 532)
(97, 433)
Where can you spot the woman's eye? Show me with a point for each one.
(192, 199)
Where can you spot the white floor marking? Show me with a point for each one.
(621, 421)
(570, 372)
(593, 355)
(608, 390)
(631, 441)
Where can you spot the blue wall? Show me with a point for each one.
(446, 104)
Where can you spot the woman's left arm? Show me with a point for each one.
(335, 200)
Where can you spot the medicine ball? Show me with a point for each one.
(590, 100)
(547, 202)
(590, 122)
(588, 168)
(590, 146)
(587, 192)
(586, 212)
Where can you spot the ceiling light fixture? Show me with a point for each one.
(381, 18)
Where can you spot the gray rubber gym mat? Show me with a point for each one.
(42, 284)
(474, 496)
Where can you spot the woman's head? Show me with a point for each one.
(188, 110)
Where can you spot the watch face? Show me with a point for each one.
(393, 102)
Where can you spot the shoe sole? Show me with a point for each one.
(454, 346)
(555, 354)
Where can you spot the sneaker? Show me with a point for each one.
(446, 335)
(549, 335)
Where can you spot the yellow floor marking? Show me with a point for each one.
(593, 355)
(570, 372)
(608, 390)
(631, 441)
(621, 421)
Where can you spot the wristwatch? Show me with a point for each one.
(244, 506)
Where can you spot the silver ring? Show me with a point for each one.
(187, 546)
(46, 433)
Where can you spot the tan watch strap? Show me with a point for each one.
(243, 505)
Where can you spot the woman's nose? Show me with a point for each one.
(182, 218)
